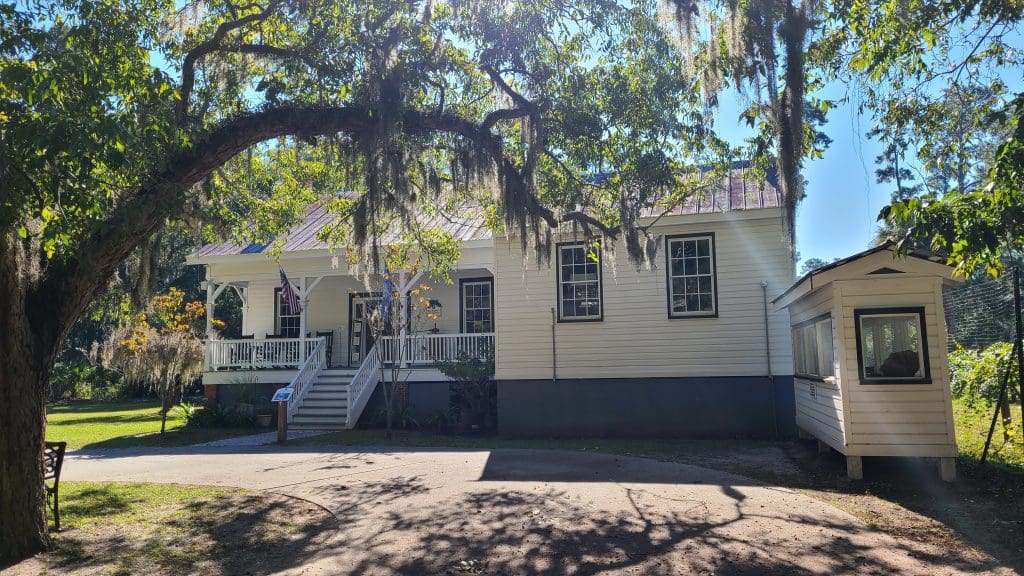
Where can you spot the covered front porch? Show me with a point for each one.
(333, 317)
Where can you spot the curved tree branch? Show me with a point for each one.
(188, 66)
(69, 285)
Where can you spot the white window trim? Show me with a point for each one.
(279, 310)
(558, 284)
(710, 237)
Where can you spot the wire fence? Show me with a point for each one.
(979, 314)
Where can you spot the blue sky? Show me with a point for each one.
(838, 216)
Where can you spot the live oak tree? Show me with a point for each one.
(118, 116)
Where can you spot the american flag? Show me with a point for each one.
(291, 300)
(385, 298)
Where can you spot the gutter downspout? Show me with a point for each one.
(768, 355)
(554, 350)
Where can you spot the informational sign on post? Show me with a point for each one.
(282, 395)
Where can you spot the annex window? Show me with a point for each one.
(579, 282)
(813, 355)
(892, 346)
(477, 305)
(285, 324)
(691, 276)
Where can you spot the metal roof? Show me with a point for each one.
(304, 236)
(735, 193)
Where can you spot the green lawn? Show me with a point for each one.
(131, 528)
(972, 424)
(124, 425)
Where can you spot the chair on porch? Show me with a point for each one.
(240, 355)
(329, 336)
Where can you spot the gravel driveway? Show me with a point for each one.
(408, 511)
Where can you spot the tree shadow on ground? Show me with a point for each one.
(983, 507)
(546, 532)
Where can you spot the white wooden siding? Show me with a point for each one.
(897, 419)
(821, 414)
(636, 338)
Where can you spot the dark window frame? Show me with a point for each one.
(277, 315)
(462, 302)
(714, 276)
(558, 284)
(919, 311)
(814, 322)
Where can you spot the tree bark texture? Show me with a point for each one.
(24, 376)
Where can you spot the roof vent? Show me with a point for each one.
(886, 270)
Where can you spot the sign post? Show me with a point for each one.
(282, 396)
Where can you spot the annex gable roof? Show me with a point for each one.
(879, 261)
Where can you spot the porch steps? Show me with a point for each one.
(325, 406)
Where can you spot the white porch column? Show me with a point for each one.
(243, 295)
(212, 291)
(302, 318)
(403, 329)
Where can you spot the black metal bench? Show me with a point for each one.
(53, 460)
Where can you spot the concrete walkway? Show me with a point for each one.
(406, 511)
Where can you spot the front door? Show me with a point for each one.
(360, 338)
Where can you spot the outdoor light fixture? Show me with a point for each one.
(436, 309)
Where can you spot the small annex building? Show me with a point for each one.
(871, 375)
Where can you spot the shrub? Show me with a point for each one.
(975, 375)
(472, 395)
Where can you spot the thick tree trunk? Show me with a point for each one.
(24, 376)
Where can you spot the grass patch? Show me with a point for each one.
(972, 424)
(114, 528)
(124, 425)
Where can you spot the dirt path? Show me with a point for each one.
(406, 511)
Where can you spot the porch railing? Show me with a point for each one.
(251, 354)
(307, 376)
(425, 349)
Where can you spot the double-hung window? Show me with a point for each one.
(477, 305)
(813, 354)
(286, 324)
(579, 282)
(690, 265)
(892, 347)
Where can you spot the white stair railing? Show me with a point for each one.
(362, 386)
(307, 376)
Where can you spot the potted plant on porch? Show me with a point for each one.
(264, 412)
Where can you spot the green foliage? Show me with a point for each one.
(189, 413)
(936, 77)
(472, 391)
(82, 380)
(972, 421)
(975, 375)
